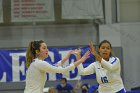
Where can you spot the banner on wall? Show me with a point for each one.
(12, 64)
(32, 10)
(82, 9)
(1, 12)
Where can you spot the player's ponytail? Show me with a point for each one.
(29, 54)
(31, 51)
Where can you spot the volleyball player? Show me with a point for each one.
(107, 69)
(37, 67)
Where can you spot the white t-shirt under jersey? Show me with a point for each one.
(107, 74)
(36, 75)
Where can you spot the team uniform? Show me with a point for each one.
(107, 75)
(36, 74)
(64, 89)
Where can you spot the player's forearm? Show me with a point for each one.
(78, 56)
(84, 57)
(65, 59)
(97, 56)
(110, 66)
(64, 70)
(78, 62)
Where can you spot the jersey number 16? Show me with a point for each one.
(104, 79)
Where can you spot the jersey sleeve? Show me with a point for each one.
(46, 67)
(58, 63)
(111, 66)
(86, 71)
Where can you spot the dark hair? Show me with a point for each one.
(64, 79)
(31, 51)
(105, 41)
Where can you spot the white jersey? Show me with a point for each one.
(107, 74)
(36, 75)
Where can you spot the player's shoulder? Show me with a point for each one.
(36, 60)
(68, 84)
(58, 86)
(114, 59)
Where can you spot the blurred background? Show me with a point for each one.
(65, 24)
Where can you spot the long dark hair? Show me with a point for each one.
(31, 51)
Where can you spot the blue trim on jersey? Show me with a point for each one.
(122, 91)
(114, 61)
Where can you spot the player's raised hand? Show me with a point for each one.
(81, 60)
(77, 53)
(67, 56)
(86, 56)
(92, 48)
